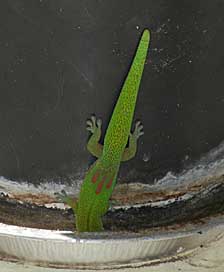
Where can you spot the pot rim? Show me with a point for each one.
(93, 250)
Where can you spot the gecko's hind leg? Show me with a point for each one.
(93, 145)
(130, 151)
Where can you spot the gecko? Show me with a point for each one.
(119, 145)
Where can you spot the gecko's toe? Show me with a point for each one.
(99, 123)
(138, 123)
(89, 125)
(93, 118)
(89, 122)
(93, 124)
(138, 129)
(140, 133)
(61, 196)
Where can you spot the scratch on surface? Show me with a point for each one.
(11, 144)
(60, 94)
(180, 83)
(168, 62)
(19, 12)
(83, 75)
(91, 17)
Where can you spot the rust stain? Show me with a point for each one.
(143, 197)
(130, 194)
(38, 199)
(120, 197)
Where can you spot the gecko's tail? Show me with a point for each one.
(120, 124)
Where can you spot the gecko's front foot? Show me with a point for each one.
(94, 125)
(138, 131)
(93, 145)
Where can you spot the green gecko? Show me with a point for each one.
(100, 179)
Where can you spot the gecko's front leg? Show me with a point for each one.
(130, 151)
(93, 146)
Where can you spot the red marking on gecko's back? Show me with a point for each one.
(95, 177)
(109, 184)
(100, 185)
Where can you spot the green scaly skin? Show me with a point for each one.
(101, 178)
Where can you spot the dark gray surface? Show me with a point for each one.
(64, 60)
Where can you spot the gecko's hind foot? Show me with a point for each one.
(63, 197)
(93, 124)
(138, 131)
